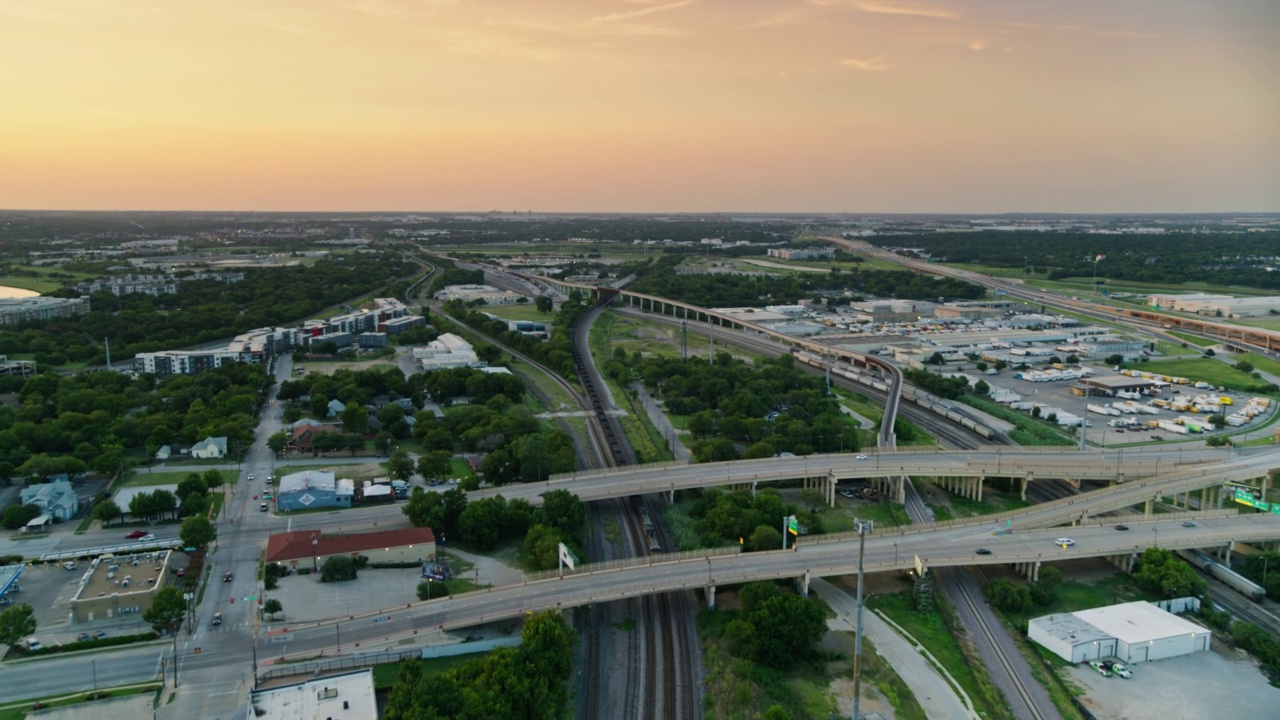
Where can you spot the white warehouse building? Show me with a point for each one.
(1133, 632)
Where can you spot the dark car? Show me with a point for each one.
(982, 551)
(1188, 523)
(135, 534)
(227, 576)
(84, 637)
(1122, 527)
(217, 619)
(99, 634)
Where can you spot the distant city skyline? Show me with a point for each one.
(761, 106)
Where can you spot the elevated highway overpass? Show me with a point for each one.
(893, 550)
(1139, 472)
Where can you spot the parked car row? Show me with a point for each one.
(1107, 668)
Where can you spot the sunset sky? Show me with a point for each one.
(641, 105)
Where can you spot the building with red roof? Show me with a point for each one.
(403, 545)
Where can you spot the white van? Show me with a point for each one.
(33, 644)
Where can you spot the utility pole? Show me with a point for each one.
(864, 527)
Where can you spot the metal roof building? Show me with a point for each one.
(1134, 632)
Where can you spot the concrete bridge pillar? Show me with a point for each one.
(1035, 571)
(831, 490)
(900, 493)
(1073, 482)
(1148, 507)
(671, 497)
(711, 597)
(754, 485)
(804, 584)
(1226, 559)
(978, 485)
(1023, 490)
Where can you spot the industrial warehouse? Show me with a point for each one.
(1133, 632)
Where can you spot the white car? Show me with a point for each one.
(1121, 670)
(1064, 542)
(861, 457)
(147, 538)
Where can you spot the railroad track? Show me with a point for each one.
(1029, 709)
(665, 650)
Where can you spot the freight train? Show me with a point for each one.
(1238, 582)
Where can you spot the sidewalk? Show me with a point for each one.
(664, 425)
(936, 694)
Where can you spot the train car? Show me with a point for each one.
(1238, 582)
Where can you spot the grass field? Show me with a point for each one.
(1204, 369)
(1193, 339)
(519, 311)
(143, 478)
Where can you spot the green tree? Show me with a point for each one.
(428, 589)
(542, 547)
(192, 483)
(16, 623)
(424, 509)
(400, 465)
(435, 464)
(164, 502)
(107, 511)
(271, 606)
(786, 628)
(1009, 596)
(563, 511)
(764, 538)
(702, 424)
(981, 388)
(936, 359)
(277, 441)
(15, 516)
(197, 532)
(213, 479)
(167, 609)
(338, 568)
(1162, 574)
(544, 303)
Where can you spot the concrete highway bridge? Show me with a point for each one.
(1136, 475)
(896, 550)
(1025, 538)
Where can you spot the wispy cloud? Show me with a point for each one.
(977, 46)
(891, 8)
(632, 14)
(873, 64)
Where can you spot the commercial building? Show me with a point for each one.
(489, 294)
(313, 489)
(19, 368)
(123, 585)
(18, 310)
(802, 253)
(313, 547)
(349, 696)
(1133, 632)
(446, 351)
(1223, 306)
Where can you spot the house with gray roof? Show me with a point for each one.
(210, 448)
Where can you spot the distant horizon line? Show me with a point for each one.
(796, 213)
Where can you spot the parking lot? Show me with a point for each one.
(48, 588)
(1057, 396)
(1217, 683)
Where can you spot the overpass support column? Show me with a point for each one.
(831, 490)
(1025, 481)
(804, 585)
(1035, 572)
(711, 597)
(754, 485)
(671, 496)
(978, 483)
(1226, 560)
(901, 491)
(1147, 508)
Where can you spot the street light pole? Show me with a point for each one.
(315, 563)
(864, 526)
